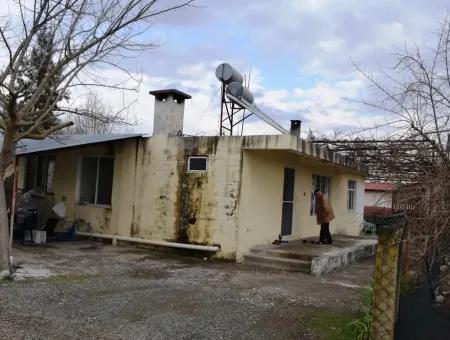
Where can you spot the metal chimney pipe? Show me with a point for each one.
(296, 126)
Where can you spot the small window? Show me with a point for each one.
(322, 183)
(197, 164)
(40, 173)
(351, 195)
(96, 180)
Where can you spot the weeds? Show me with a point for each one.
(358, 329)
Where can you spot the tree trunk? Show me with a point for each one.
(6, 156)
(4, 232)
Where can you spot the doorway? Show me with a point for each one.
(288, 201)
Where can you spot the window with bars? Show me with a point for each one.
(96, 179)
(351, 195)
(322, 183)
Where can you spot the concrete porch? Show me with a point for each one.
(312, 258)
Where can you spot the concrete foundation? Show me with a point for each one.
(311, 258)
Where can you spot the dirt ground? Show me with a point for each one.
(95, 291)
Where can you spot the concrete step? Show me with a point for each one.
(281, 253)
(278, 263)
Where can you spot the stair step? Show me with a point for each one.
(281, 254)
(278, 263)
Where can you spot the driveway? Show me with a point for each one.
(89, 290)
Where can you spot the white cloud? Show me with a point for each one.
(322, 106)
(331, 45)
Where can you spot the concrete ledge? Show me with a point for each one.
(329, 261)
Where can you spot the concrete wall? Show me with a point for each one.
(67, 170)
(168, 116)
(176, 205)
(237, 203)
(262, 194)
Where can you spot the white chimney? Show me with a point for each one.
(169, 112)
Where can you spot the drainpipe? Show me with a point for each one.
(116, 238)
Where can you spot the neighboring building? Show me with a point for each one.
(235, 192)
(378, 199)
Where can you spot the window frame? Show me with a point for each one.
(47, 159)
(80, 173)
(197, 157)
(351, 198)
(314, 177)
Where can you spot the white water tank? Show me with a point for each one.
(239, 91)
(227, 74)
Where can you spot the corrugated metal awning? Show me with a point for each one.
(29, 146)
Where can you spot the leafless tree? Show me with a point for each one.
(414, 149)
(93, 116)
(82, 35)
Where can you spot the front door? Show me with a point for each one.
(288, 201)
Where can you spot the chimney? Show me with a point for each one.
(169, 112)
(296, 126)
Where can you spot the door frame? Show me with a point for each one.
(288, 201)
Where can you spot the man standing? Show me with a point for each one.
(324, 214)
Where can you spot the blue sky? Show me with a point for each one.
(299, 54)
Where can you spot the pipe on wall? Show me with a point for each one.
(116, 238)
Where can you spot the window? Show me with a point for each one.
(96, 180)
(351, 194)
(322, 183)
(40, 173)
(197, 164)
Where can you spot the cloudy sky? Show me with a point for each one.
(299, 54)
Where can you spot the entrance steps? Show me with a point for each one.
(278, 259)
(312, 258)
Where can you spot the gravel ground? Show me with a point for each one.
(96, 291)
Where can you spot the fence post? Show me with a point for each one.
(386, 283)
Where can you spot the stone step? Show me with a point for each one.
(278, 263)
(281, 253)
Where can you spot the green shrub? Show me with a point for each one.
(358, 329)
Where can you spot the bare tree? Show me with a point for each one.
(414, 149)
(95, 117)
(82, 35)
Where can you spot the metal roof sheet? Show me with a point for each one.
(28, 146)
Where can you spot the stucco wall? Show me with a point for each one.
(175, 205)
(262, 194)
(237, 203)
(101, 218)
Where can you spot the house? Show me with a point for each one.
(378, 199)
(226, 192)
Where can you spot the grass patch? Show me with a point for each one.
(339, 325)
(330, 325)
(58, 279)
(70, 278)
(359, 328)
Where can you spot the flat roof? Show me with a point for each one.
(29, 146)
